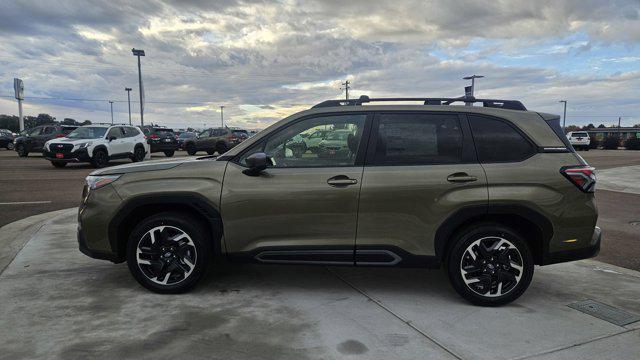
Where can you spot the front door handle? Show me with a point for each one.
(461, 177)
(341, 181)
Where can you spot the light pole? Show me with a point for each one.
(473, 82)
(128, 90)
(222, 115)
(111, 103)
(564, 116)
(138, 53)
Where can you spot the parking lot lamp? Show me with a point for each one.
(221, 115)
(111, 103)
(138, 53)
(564, 116)
(128, 90)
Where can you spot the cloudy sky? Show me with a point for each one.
(266, 60)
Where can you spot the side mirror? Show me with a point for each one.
(257, 163)
(111, 138)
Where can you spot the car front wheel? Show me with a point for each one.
(10, 145)
(168, 253)
(22, 150)
(138, 154)
(490, 265)
(100, 159)
(191, 149)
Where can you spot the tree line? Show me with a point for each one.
(589, 127)
(12, 122)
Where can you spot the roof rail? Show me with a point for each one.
(493, 103)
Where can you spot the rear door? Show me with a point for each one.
(303, 208)
(420, 168)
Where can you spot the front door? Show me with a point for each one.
(420, 168)
(303, 208)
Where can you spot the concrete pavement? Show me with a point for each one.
(58, 303)
(623, 179)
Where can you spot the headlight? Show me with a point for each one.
(96, 182)
(46, 145)
(84, 145)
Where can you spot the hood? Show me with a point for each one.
(153, 165)
(66, 140)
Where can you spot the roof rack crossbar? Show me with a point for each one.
(493, 103)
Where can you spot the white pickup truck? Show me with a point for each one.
(579, 140)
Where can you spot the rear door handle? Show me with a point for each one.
(461, 177)
(341, 181)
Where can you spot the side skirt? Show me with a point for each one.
(336, 256)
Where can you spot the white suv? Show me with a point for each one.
(97, 144)
(579, 140)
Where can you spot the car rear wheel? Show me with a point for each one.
(221, 148)
(100, 159)
(59, 164)
(169, 153)
(10, 145)
(138, 154)
(22, 150)
(191, 149)
(490, 265)
(211, 152)
(168, 253)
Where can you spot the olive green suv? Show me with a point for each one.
(486, 192)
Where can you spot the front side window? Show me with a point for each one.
(289, 148)
(204, 134)
(34, 132)
(48, 130)
(418, 139)
(497, 141)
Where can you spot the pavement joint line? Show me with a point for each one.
(398, 316)
(580, 343)
(42, 224)
(25, 202)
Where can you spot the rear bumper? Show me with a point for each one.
(75, 156)
(578, 254)
(160, 146)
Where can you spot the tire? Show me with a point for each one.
(169, 153)
(586, 148)
(138, 153)
(221, 148)
(59, 164)
(168, 266)
(503, 262)
(10, 145)
(211, 152)
(22, 150)
(191, 149)
(100, 158)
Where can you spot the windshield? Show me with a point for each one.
(164, 130)
(87, 133)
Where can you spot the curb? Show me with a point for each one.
(15, 235)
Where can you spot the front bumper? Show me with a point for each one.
(80, 155)
(82, 245)
(577, 254)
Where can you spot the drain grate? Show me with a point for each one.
(605, 312)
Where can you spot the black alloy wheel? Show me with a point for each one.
(490, 265)
(22, 150)
(168, 253)
(100, 159)
(138, 154)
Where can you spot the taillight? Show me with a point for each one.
(582, 176)
(59, 135)
(154, 136)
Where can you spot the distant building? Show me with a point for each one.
(622, 132)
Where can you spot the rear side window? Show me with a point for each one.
(418, 139)
(498, 141)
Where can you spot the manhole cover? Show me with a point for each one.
(635, 223)
(605, 312)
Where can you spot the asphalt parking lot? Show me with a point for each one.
(32, 186)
